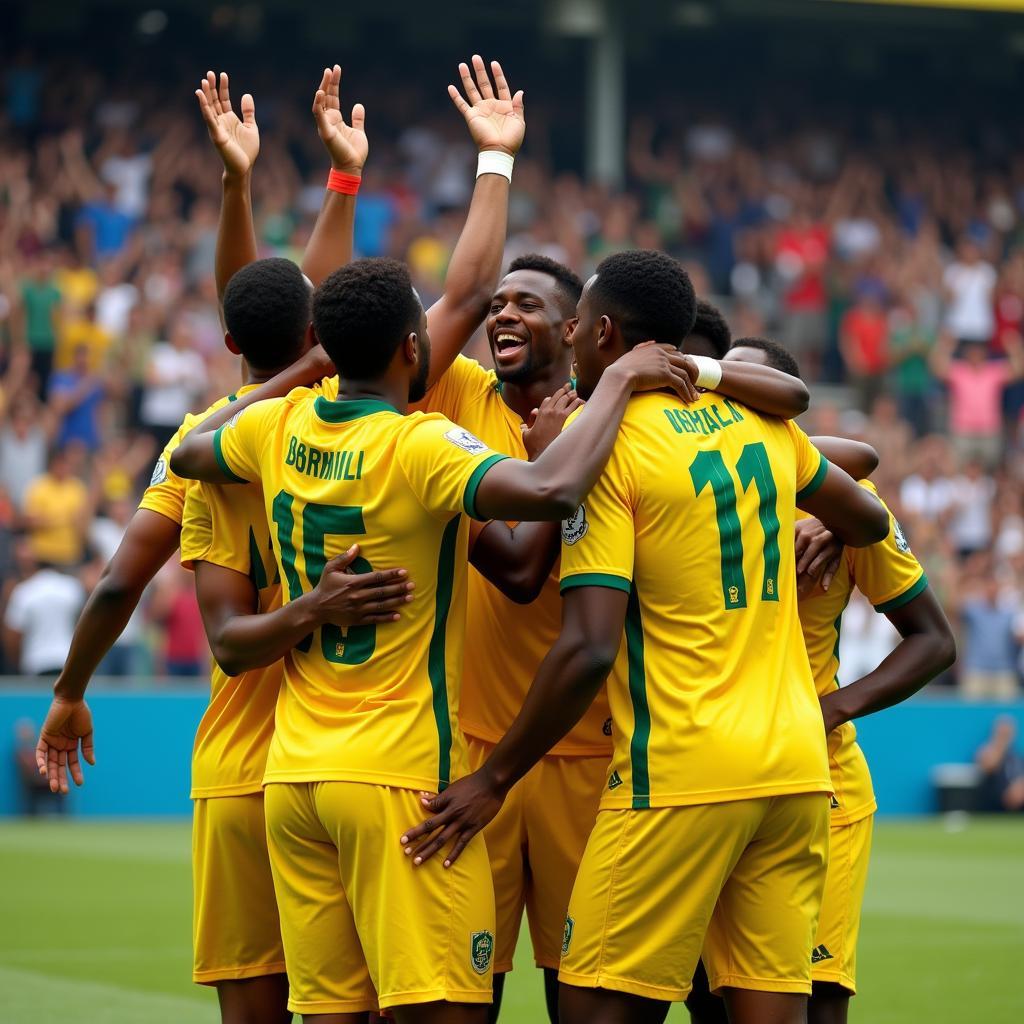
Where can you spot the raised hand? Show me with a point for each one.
(68, 723)
(546, 422)
(346, 144)
(237, 139)
(495, 117)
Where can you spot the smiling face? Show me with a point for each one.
(528, 325)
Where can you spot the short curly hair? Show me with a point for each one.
(712, 327)
(778, 357)
(570, 287)
(267, 306)
(648, 294)
(361, 314)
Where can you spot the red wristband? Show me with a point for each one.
(346, 184)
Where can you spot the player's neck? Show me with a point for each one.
(522, 397)
(394, 394)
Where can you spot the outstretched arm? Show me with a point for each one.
(148, 542)
(567, 682)
(497, 124)
(554, 485)
(330, 244)
(927, 648)
(237, 141)
(243, 638)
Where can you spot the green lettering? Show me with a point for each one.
(314, 461)
(326, 465)
(695, 421)
(671, 414)
(718, 416)
(359, 467)
(712, 425)
(300, 458)
(290, 459)
(736, 414)
(348, 466)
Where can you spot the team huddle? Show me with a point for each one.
(560, 636)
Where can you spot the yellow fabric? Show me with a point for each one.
(711, 694)
(235, 928)
(78, 286)
(374, 704)
(60, 506)
(166, 491)
(887, 574)
(505, 641)
(361, 926)
(535, 845)
(227, 526)
(835, 947)
(741, 878)
(77, 333)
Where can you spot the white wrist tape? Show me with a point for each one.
(709, 372)
(492, 162)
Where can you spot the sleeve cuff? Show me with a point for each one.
(816, 481)
(905, 598)
(469, 495)
(595, 579)
(221, 461)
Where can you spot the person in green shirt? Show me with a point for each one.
(910, 343)
(40, 299)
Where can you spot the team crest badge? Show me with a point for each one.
(574, 529)
(466, 441)
(481, 951)
(159, 473)
(901, 537)
(567, 934)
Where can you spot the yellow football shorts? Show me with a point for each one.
(362, 927)
(535, 845)
(834, 957)
(741, 879)
(235, 927)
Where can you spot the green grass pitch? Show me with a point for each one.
(96, 927)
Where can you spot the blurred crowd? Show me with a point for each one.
(890, 262)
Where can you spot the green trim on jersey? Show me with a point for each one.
(905, 598)
(469, 496)
(816, 481)
(221, 461)
(638, 744)
(436, 654)
(342, 411)
(595, 579)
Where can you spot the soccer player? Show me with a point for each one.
(713, 829)
(369, 718)
(536, 842)
(889, 576)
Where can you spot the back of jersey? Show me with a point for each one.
(712, 695)
(374, 704)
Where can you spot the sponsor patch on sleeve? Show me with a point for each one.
(574, 529)
(466, 441)
(159, 472)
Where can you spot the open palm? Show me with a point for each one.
(494, 115)
(237, 138)
(67, 724)
(347, 144)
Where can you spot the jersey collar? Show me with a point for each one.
(342, 412)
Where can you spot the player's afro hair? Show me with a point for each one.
(570, 286)
(362, 313)
(778, 357)
(267, 307)
(648, 294)
(711, 325)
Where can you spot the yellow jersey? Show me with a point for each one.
(712, 696)
(889, 576)
(227, 526)
(367, 704)
(505, 641)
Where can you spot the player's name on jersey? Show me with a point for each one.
(703, 421)
(343, 465)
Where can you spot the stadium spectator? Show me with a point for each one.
(175, 609)
(40, 619)
(56, 513)
(988, 661)
(40, 299)
(76, 397)
(1002, 768)
(24, 439)
(970, 283)
(175, 378)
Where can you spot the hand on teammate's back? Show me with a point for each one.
(818, 554)
(68, 722)
(546, 422)
(494, 115)
(347, 144)
(237, 139)
(345, 598)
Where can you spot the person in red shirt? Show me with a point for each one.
(863, 341)
(801, 250)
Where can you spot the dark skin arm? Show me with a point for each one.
(242, 638)
(150, 540)
(855, 458)
(852, 513)
(565, 686)
(764, 388)
(927, 648)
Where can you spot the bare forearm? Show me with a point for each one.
(245, 642)
(517, 559)
(764, 388)
(236, 233)
(330, 244)
(855, 458)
